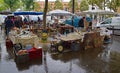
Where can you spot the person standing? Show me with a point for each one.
(39, 20)
(89, 28)
(17, 23)
(81, 24)
(8, 25)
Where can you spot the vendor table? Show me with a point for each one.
(25, 39)
(70, 37)
(93, 39)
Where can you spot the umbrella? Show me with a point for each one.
(59, 12)
(28, 13)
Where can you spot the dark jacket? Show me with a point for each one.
(81, 23)
(9, 23)
(18, 24)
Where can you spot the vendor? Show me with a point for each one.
(89, 28)
(17, 23)
(8, 25)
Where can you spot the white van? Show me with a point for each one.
(113, 22)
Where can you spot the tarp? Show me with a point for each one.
(76, 20)
(28, 13)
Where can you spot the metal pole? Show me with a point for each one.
(73, 12)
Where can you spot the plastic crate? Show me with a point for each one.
(35, 53)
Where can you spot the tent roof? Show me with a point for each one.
(28, 13)
(98, 11)
(5, 12)
(59, 12)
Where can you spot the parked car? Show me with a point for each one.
(110, 23)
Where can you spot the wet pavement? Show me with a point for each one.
(96, 60)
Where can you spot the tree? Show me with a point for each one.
(37, 6)
(2, 5)
(12, 4)
(75, 3)
(84, 5)
(100, 3)
(92, 2)
(58, 5)
(44, 15)
(28, 4)
(49, 7)
(113, 4)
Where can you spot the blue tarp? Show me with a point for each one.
(76, 20)
(28, 13)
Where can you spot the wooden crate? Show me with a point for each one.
(92, 40)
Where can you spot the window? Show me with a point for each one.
(107, 21)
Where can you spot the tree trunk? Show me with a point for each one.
(44, 15)
(110, 5)
(73, 6)
(104, 4)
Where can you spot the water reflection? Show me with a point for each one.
(27, 65)
(0, 51)
(9, 56)
(45, 61)
(88, 59)
(114, 64)
(86, 55)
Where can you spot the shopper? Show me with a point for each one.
(8, 25)
(81, 24)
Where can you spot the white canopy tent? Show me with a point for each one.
(56, 14)
(98, 11)
(59, 12)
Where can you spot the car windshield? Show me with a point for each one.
(107, 21)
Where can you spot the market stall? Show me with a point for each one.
(79, 40)
(25, 45)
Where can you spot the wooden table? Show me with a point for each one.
(25, 39)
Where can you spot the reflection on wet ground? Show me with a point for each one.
(114, 62)
(0, 51)
(96, 60)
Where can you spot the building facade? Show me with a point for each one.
(52, 5)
